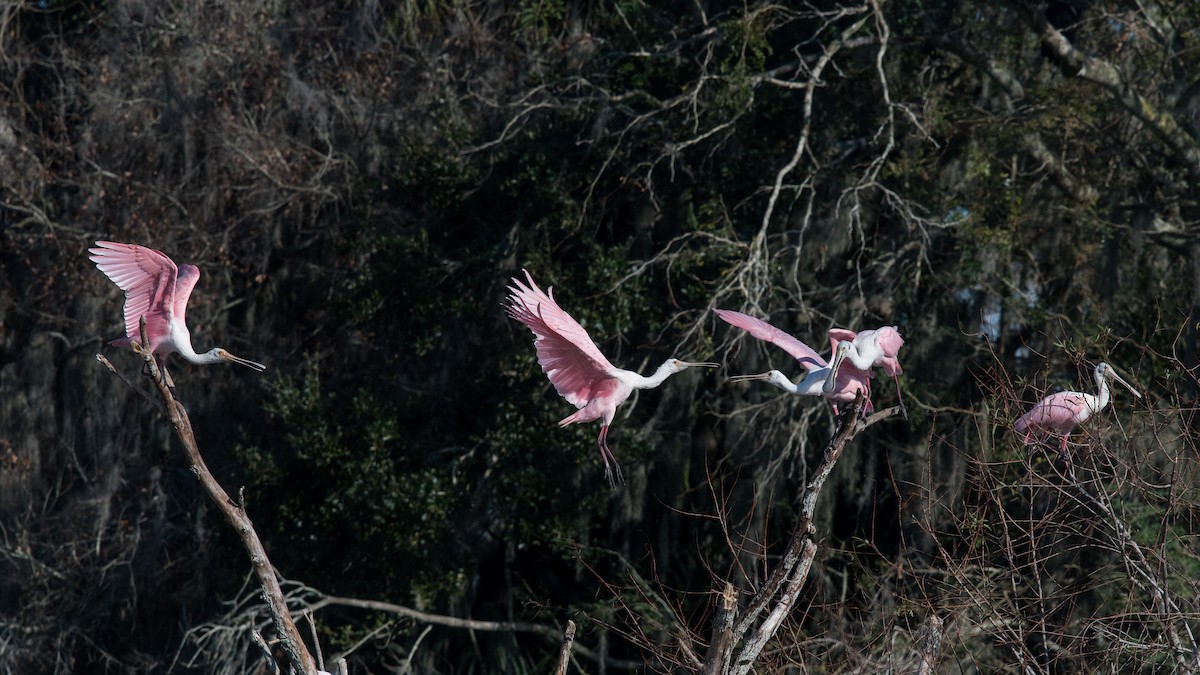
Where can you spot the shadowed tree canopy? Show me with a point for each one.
(1013, 185)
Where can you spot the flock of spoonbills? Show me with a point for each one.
(158, 290)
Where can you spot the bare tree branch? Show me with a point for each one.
(778, 595)
(564, 654)
(1095, 70)
(235, 514)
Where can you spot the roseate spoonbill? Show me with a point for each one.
(158, 290)
(577, 369)
(866, 350)
(1062, 412)
(847, 383)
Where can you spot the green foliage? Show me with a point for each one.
(537, 19)
(387, 505)
(746, 57)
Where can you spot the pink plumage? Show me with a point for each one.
(849, 380)
(157, 290)
(578, 370)
(154, 288)
(878, 347)
(1056, 414)
(868, 349)
(1060, 413)
(807, 356)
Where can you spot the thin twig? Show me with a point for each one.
(323, 601)
(146, 394)
(266, 650)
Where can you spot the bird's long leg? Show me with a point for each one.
(162, 365)
(899, 397)
(607, 455)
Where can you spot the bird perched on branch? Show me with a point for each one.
(846, 383)
(1060, 413)
(157, 290)
(577, 369)
(869, 349)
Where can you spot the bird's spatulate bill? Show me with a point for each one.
(748, 378)
(253, 365)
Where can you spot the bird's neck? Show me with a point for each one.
(185, 350)
(1105, 393)
(813, 384)
(859, 360)
(638, 381)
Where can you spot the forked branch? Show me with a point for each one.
(778, 595)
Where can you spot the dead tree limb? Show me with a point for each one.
(778, 595)
(931, 646)
(300, 659)
(722, 631)
(564, 653)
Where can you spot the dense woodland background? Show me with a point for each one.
(1015, 185)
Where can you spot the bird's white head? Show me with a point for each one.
(839, 355)
(219, 354)
(1107, 372)
(780, 380)
(775, 377)
(675, 365)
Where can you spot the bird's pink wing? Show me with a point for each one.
(850, 378)
(807, 356)
(1059, 411)
(889, 340)
(566, 353)
(148, 279)
(837, 335)
(184, 283)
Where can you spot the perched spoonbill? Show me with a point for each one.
(1062, 412)
(577, 369)
(866, 350)
(846, 384)
(158, 290)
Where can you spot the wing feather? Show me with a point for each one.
(807, 356)
(890, 341)
(1060, 412)
(575, 366)
(184, 283)
(148, 278)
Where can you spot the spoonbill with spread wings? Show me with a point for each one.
(577, 369)
(158, 290)
(847, 382)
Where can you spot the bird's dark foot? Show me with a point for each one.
(614, 477)
(609, 461)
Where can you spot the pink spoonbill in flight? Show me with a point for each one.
(866, 350)
(846, 383)
(577, 369)
(1060, 413)
(158, 290)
